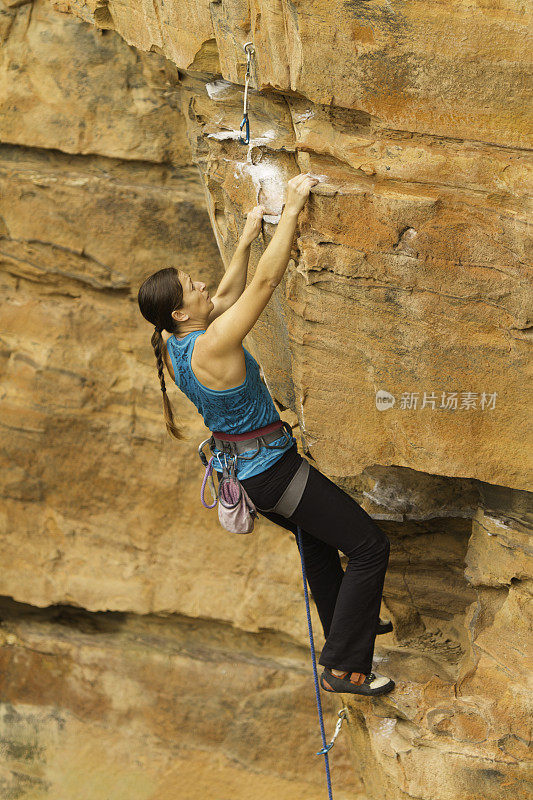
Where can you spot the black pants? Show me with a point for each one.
(348, 602)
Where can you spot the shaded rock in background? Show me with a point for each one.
(152, 701)
(74, 88)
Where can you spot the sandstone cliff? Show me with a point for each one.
(409, 282)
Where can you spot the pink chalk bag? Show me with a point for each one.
(236, 512)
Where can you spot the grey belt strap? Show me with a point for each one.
(287, 503)
(250, 444)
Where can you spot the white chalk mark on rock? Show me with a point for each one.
(268, 178)
(303, 117)
(217, 89)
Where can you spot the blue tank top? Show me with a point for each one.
(238, 410)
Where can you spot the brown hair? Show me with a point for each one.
(158, 296)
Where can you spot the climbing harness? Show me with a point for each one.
(236, 511)
(342, 714)
(248, 49)
(234, 445)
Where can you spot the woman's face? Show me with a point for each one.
(196, 301)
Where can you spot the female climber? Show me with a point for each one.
(204, 355)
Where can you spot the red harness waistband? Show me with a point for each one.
(239, 437)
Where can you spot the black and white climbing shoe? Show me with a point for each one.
(373, 684)
(383, 626)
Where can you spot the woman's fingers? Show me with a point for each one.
(303, 176)
(304, 179)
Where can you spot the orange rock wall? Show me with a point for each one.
(397, 342)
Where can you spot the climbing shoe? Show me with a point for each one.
(372, 685)
(383, 626)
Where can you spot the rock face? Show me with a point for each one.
(405, 309)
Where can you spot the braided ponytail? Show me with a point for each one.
(157, 344)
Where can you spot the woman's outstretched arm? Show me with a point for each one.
(233, 283)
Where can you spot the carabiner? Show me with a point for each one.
(225, 467)
(201, 453)
(247, 124)
(342, 715)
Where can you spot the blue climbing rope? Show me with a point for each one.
(325, 747)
